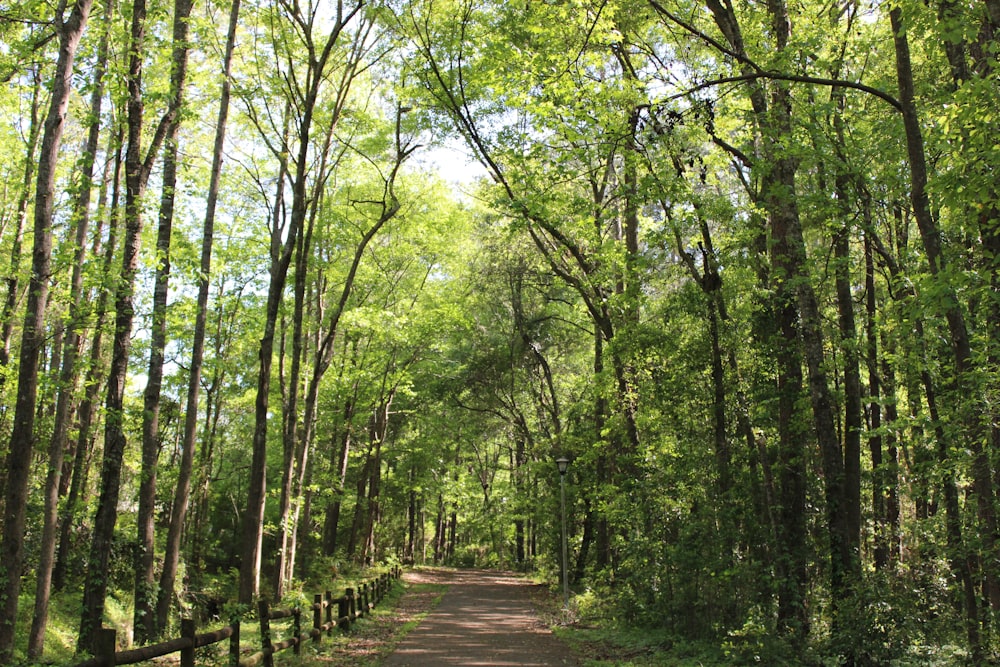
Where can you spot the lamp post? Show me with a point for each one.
(563, 464)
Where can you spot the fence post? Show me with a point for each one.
(364, 599)
(353, 613)
(187, 631)
(104, 646)
(297, 630)
(234, 643)
(344, 612)
(329, 614)
(265, 633)
(317, 617)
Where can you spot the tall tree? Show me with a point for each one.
(137, 170)
(178, 511)
(13, 281)
(94, 366)
(961, 346)
(71, 348)
(69, 28)
(386, 208)
(304, 91)
(144, 618)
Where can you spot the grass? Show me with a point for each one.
(369, 640)
(376, 636)
(588, 627)
(60, 631)
(628, 647)
(601, 641)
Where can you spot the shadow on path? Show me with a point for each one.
(485, 618)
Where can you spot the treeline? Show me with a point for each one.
(759, 309)
(737, 262)
(207, 224)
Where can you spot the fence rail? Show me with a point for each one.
(350, 606)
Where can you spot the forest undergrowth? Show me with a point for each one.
(376, 636)
(591, 626)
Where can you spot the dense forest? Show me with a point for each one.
(736, 260)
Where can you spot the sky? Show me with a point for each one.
(454, 163)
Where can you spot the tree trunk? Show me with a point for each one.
(144, 618)
(778, 200)
(182, 491)
(95, 369)
(849, 343)
(586, 540)
(136, 174)
(305, 106)
(213, 410)
(519, 473)
(779, 195)
(602, 538)
(297, 439)
(961, 558)
(930, 235)
(378, 434)
(852, 382)
(982, 207)
(410, 550)
(19, 453)
(71, 347)
(791, 534)
(13, 281)
(253, 518)
(440, 528)
(889, 478)
(710, 281)
(331, 524)
(373, 505)
(875, 448)
(302, 515)
(360, 509)
(303, 248)
(845, 562)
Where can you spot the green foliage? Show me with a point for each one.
(579, 301)
(757, 642)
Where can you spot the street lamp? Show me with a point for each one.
(563, 464)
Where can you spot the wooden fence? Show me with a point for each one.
(350, 606)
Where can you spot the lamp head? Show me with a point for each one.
(563, 464)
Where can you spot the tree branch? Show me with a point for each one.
(798, 78)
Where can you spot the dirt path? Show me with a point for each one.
(485, 618)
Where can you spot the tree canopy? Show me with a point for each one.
(738, 262)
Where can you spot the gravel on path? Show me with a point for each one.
(485, 618)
